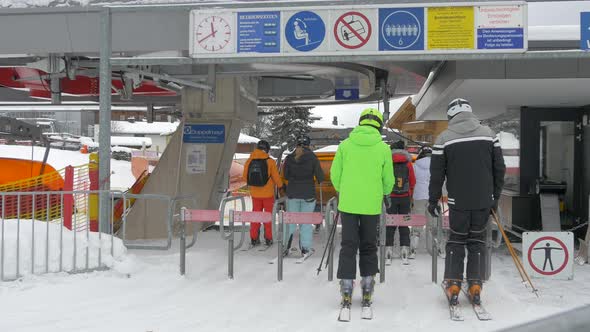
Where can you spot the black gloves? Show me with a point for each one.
(434, 209)
(387, 201)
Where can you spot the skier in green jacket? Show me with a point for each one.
(362, 174)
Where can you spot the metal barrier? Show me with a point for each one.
(243, 217)
(41, 241)
(313, 218)
(395, 220)
(171, 207)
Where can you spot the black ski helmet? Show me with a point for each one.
(263, 145)
(303, 140)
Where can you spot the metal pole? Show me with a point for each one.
(382, 247)
(182, 242)
(435, 249)
(230, 246)
(385, 97)
(331, 251)
(280, 248)
(54, 81)
(104, 137)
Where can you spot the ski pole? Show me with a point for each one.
(514, 256)
(328, 244)
(331, 250)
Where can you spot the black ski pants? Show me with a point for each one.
(468, 229)
(399, 205)
(359, 233)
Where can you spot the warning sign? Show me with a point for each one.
(549, 254)
(450, 28)
(353, 30)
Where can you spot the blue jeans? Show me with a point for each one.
(305, 230)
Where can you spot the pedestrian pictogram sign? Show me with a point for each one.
(352, 30)
(549, 254)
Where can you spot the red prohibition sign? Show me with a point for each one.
(548, 238)
(363, 40)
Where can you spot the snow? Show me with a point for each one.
(508, 141)
(131, 141)
(329, 148)
(247, 139)
(56, 240)
(143, 127)
(241, 156)
(327, 125)
(121, 177)
(146, 293)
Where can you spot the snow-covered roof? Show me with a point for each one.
(143, 127)
(247, 139)
(130, 141)
(327, 125)
(329, 148)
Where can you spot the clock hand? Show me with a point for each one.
(213, 32)
(209, 35)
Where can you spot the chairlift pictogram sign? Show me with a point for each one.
(352, 30)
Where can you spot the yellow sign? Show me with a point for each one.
(451, 28)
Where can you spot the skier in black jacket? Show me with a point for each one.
(302, 171)
(468, 155)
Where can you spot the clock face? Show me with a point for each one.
(213, 33)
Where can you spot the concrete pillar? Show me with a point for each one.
(234, 104)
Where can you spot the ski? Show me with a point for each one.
(388, 261)
(276, 259)
(367, 312)
(344, 315)
(305, 257)
(480, 311)
(250, 247)
(265, 248)
(455, 311)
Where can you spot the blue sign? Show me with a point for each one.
(500, 38)
(346, 94)
(585, 30)
(305, 31)
(401, 29)
(203, 133)
(259, 32)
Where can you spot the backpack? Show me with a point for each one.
(258, 172)
(402, 178)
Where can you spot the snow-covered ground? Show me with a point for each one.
(121, 177)
(145, 292)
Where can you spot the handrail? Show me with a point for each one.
(224, 201)
(275, 212)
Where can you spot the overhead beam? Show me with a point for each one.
(175, 61)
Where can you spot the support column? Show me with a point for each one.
(54, 84)
(104, 135)
(385, 96)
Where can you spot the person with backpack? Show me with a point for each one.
(469, 156)
(262, 176)
(362, 174)
(400, 199)
(302, 170)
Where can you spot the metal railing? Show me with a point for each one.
(331, 224)
(169, 221)
(42, 246)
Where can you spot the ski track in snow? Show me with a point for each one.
(144, 292)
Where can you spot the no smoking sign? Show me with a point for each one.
(549, 254)
(353, 30)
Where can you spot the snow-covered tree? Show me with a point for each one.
(287, 124)
(260, 128)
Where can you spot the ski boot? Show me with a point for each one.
(405, 254)
(453, 290)
(475, 291)
(367, 285)
(388, 255)
(415, 243)
(346, 287)
(268, 242)
(254, 242)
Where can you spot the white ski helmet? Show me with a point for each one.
(458, 105)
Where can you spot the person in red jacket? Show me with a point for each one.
(401, 199)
